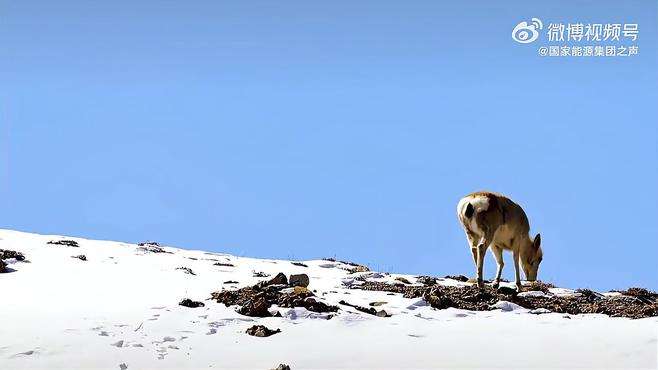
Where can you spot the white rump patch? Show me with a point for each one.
(480, 203)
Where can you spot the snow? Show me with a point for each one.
(120, 309)
(505, 306)
(533, 293)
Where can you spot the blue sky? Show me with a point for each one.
(336, 128)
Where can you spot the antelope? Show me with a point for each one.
(493, 220)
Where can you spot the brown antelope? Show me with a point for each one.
(493, 220)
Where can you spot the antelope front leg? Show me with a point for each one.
(517, 274)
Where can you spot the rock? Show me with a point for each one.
(190, 303)
(3, 267)
(298, 290)
(506, 290)
(382, 313)
(81, 257)
(282, 367)
(7, 254)
(64, 242)
(258, 307)
(426, 280)
(378, 303)
(279, 279)
(368, 310)
(260, 274)
(301, 280)
(257, 299)
(143, 244)
(231, 282)
(261, 331)
(299, 264)
(187, 270)
(357, 268)
(589, 294)
(151, 247)
(403, 280)
(461, 278)
(223, 264)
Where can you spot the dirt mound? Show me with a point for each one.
(261, 331)
(587, 301)
(538, 286)
(6, 254)
(65, 242)
(256, 300)
(634, 303)
(642, 294)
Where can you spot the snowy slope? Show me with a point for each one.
(120, 307)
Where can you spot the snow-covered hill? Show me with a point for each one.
(119, 309)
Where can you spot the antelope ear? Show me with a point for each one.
(537, 242)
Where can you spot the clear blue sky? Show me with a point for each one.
(330, 128)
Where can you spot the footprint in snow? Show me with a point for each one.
(416, 335)
(418, 315)
(27, 353)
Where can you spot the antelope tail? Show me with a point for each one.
(469, 210)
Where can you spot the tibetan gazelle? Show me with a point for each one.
(493, 220)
